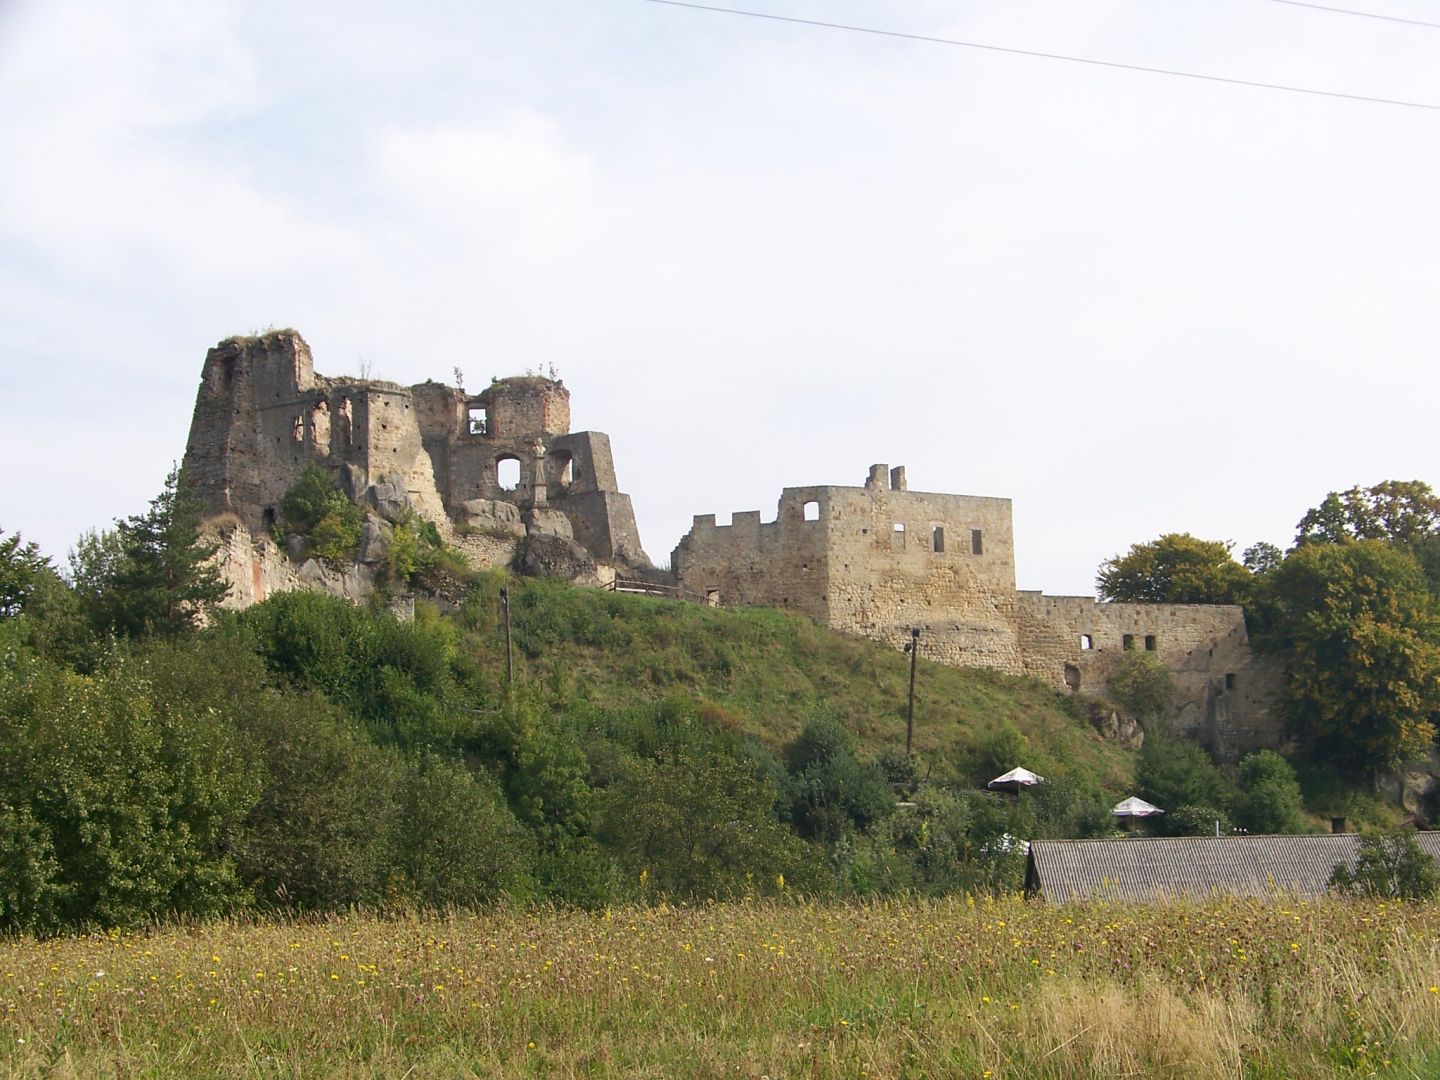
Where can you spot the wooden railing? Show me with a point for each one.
(650, 588)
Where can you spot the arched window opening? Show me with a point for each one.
(507, 473)
(562, 470)
(812, 510)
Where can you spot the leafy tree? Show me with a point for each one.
(21, 565)
(1268, 797)
(1175, 774)
(398, 678)
(119, 803)
(698, 825)
(1390, 865)
(154, 576)
(1356, 626)
(1175, 569)
(457, 842)
(1262, 557)
(830, 792)
(1402, 512)
(997, 749)
(1141, 685)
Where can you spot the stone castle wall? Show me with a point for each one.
(880, 560)
(262, 416)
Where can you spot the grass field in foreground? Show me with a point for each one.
(938, 988)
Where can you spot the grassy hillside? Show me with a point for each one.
(765, 672)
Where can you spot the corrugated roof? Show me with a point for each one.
(1198, 866)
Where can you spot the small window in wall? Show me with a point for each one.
(712, 597)
(812, 510)
(507, 473)
(1072, 677)
(479, 421)
(977, 542)
(1229, 680)
(897, 538)
(937, 539)
(1086, 643)
(1128, 641)
(1149, 642)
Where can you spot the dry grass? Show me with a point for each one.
(947, 988)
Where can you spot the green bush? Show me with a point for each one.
(1268, 795)
(1141, 685)
(1391, 865)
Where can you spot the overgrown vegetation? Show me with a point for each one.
(311, 755)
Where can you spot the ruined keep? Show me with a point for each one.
(263, 415)
(880, 559)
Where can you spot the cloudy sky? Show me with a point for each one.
(760, 254)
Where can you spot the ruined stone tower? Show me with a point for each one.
(263, 415)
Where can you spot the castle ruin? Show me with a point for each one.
(505, 481)
(263, 416)
(881, 560)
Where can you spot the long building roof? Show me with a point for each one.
(1195, 866)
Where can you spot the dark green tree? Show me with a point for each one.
(1180, 778)
(1267, 799)
(1389, 865)
(698, 825)
(1402, 512)
(155, 575)
(830, 793)
(1175, 569)
(1355, 624)
(21, 566)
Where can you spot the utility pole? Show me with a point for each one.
(913, 648)
(510, 648)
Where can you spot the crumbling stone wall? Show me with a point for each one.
(1223, 689)
(263, 415)
(880, 560)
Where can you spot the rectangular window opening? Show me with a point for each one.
(937, 539)
(977, 543)
(1127, 641)
(479, 421)
(812, 510)
(1086, 642)
(897, 537)
(1229, 680)
(1150, 643)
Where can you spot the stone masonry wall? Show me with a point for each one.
(880, 560)
(944, 563)
(1222, 689)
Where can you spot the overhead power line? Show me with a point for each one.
(1361, 14)
(1048, 55)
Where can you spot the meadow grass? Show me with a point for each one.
(955, 987)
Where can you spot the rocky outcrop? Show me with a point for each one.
(556, 557)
